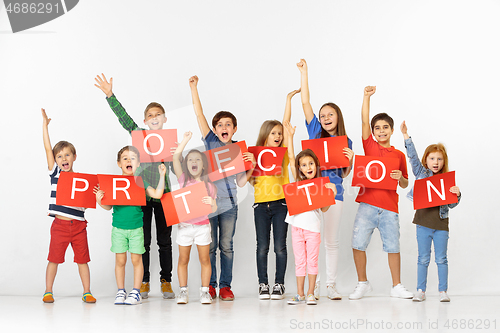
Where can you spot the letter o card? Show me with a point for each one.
(434, 191)
(185, 204)
(154, 146)
(269, 160)
(227, 160)
(330, 151)
(374, 172)
(122, 190)
(76, 190)
(308, 195)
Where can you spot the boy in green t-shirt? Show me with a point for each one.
(127, 233)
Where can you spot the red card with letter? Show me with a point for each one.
(269, 160)
(76, 190)
(374, 172)
(330, 151)
(155, 145)
(308, 195)
(434, 191)
(122, 190)
(185, 204)
(227, 160)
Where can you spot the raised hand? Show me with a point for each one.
(104, 85)
(302, 66)
(404, 129)
(46, 120)
(187, 136)
(293, 93)
(289, 128)
(162, 169)
(369, 90)
(193, 81)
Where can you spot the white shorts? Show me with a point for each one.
(189, 234)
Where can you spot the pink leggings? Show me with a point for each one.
(306, 250)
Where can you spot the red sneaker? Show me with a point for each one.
(212, 292)
(226, 294)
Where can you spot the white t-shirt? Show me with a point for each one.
(310, 220)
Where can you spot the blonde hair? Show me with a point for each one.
(61, 145)
(153, 105)
(266, 129)
(439, 147)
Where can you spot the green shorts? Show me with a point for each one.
(131, 240)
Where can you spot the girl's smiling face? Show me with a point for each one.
(194, 164)
(308, 167)
(275, 137)
(328, 119)
(435, 161)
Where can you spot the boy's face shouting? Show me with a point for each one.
(155, 118)
(128, 163)
(225, 130)
(65, 159)
(382, 132)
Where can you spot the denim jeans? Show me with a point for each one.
(269, 214)
(223, 225)
(425, 237)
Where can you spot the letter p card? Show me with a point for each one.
(76, 190)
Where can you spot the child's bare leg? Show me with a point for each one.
(138, 269)
(360, 263)
(312, 281)
(50, 276)
(206, 267)
(182, 266)
(300, 285)
(84, 271)
(120, 261)
(395, 267)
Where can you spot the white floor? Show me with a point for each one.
(248, 314)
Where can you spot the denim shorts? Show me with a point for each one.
(370, 217)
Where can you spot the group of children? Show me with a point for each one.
(378, 208)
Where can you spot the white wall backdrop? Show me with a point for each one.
(435, 64)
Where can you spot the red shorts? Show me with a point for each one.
(63, 233)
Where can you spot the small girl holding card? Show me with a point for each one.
(306, 237)
(432, 223)
(194, 169)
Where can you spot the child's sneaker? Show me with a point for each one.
(400, 291)
(264, 291)
(205, 297)
(226, 294)
(134, 298)
(419, 296)
(316, 290)
(333, 294)
(183, 297)
(443, 296)
(278, 291)
(212, 292)
(121, 295)
(311, 300)
(362, 288)
(88, 298)
(166, 289)
(296, 300)
(145, 290)
(48, 298)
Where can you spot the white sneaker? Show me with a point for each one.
(400, 291)
(362, 288)
(419, 296)
(443, 296)
(134, 298)
(333, 294)
(121, 295)
(205, 297)
(311, 300)
(316, 290)
(183, 297)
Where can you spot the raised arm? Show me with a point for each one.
(411, 152)
(104, 85)
(288, 113)
(157, 192)
(46, 141)
(198, 110)
(304, 91)
(178, 154)
(291, 154)
(365, 112)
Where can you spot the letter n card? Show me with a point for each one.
(434, 191)
(308, 195)
(155, 145)
(330, 151)
(227, 160)
(374, 172)
(185, 204)
(122, 190)
(269, 160)
(76, 190)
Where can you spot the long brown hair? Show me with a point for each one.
(204, 172)
(340, 121)
(438, 147)
(266, 129)
(305, 153)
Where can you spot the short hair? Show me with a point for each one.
(61, 145)
(223, 114)
(129, 148)
(439, 147)
(153, 105)
(266, 129)
(382, 116)
(305, 153)
(340, 121)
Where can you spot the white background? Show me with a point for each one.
(435, 65)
